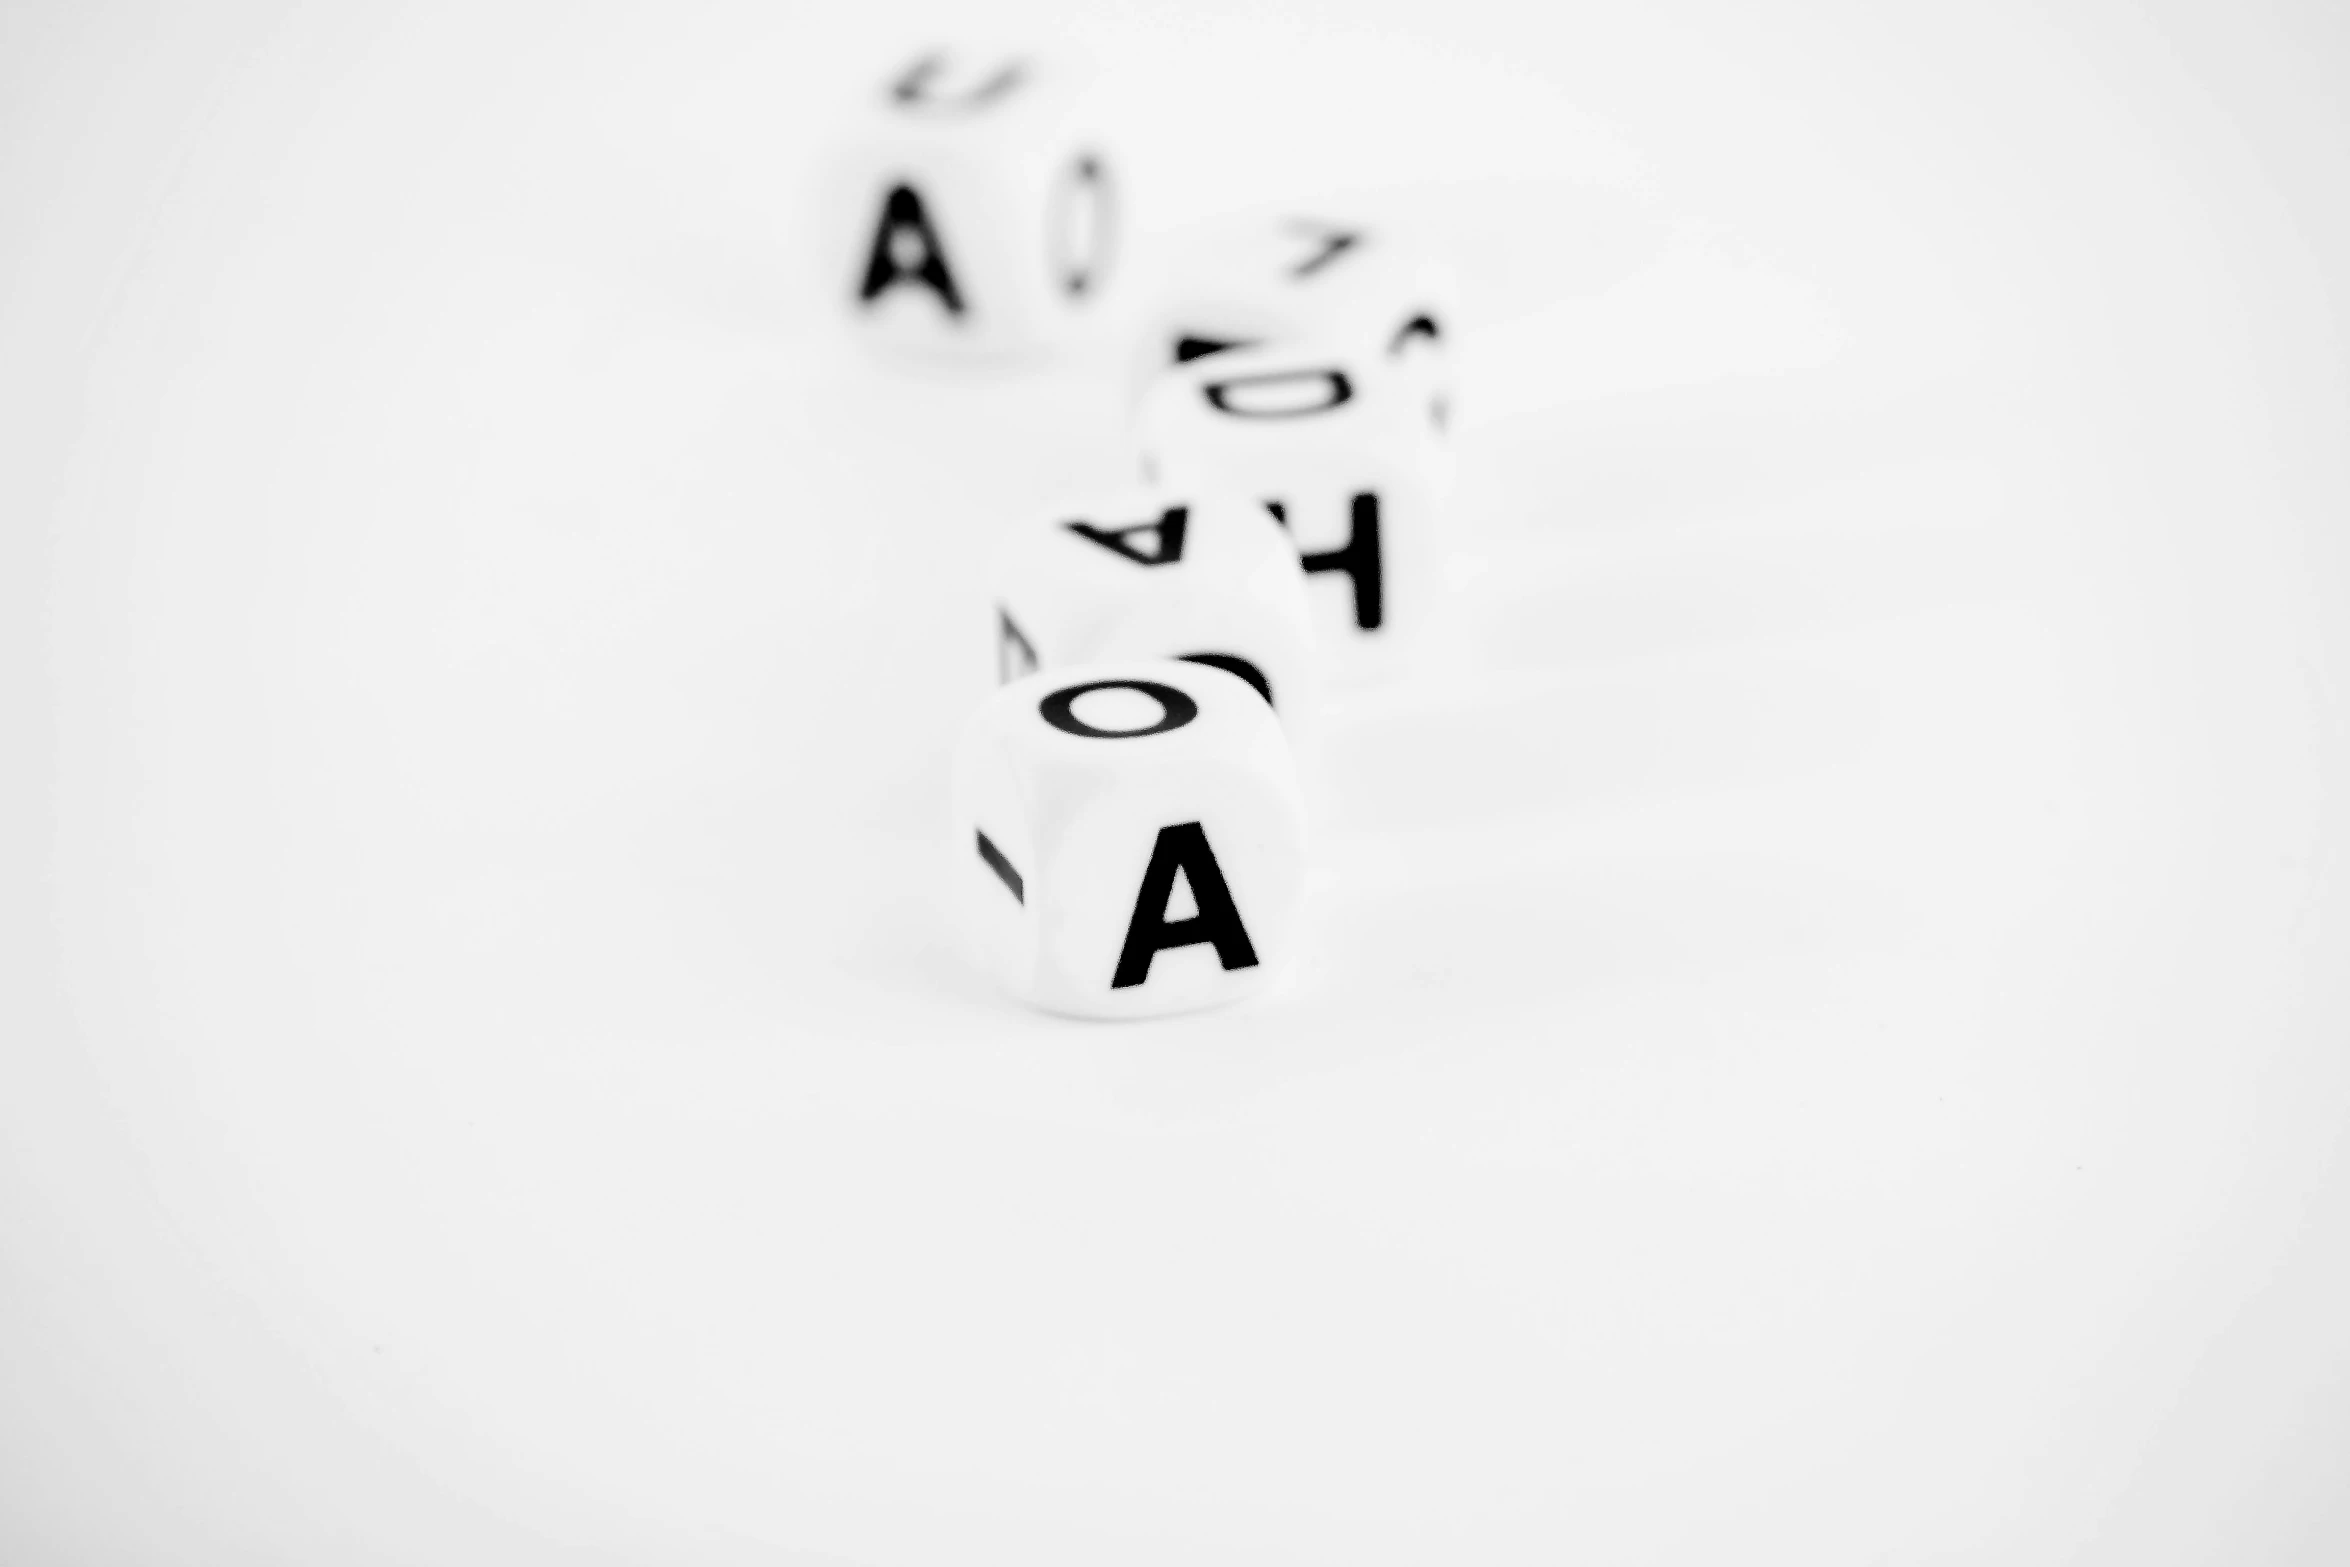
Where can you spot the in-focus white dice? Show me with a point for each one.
(1345, 461)
(1144, 574)
(976, 212)
(1361, 291)
(1129, 839)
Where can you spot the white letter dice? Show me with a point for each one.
(1330, 285)
(1129, 839)
(1345, 461)
(977, 216)
(1146, 575)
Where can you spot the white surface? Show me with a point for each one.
(1828, 1049)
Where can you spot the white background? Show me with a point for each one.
(1823, 1041)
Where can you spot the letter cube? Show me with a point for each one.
(977, 213)
(1360, 291)
(1146, 575)
(1347, 464)
(1129, 839)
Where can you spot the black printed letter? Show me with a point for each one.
(1358, 558)
(912, 90)
(1335, 243)
(1234, 664)
(1279, 394)
(1189, 346)
(1002, 867)
(1015, 655)
(1060, 709)
(1182, 847)
(1164, 538)
(906, 249)
(1421, 325)
(1084, 225)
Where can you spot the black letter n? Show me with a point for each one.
(906, 250)
(1182, 847)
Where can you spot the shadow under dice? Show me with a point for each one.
(1214, 581)
(1129, 839)
(1348, 465)
(1357, 290)
(977, 212)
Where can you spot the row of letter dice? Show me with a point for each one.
(1292, 520)
(982, 214)
(1129, 837)
(1296, 364)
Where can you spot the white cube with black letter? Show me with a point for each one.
(1129, 838)
(977, 213)
(1345, 462)
(1360, 290)
(1145, 574)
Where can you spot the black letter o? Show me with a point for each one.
(1060, 709)
(1260, 400)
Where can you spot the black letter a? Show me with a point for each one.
(1166, 537)
(906, 249)
(1183, 847)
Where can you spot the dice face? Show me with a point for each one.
(1128, 840)
(1146, 574)
(1345, 463)
(976, 214)
(1354, 291)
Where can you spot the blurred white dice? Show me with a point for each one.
(976, 212)
(1129, 839)
(1344, 459)
(1360, 291)
(1148, 575)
